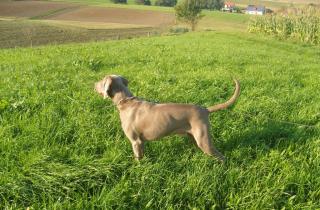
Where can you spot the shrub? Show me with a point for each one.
(166, 3)
(179, 30)
(143, 2)
(119, 1)
(238, 10)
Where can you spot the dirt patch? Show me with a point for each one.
(28, 9)
(117, 15)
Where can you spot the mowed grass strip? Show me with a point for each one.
(62, 147)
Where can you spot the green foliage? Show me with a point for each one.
(62, 146)
(212, 4)
(143, 2)
(238, 10)
(3, 104)
(189, 11)
(166, 3)
(299, 24)
(179, 30)
(119, 1)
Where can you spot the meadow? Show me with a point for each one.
(62, 147)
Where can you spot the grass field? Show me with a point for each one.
(62, 147)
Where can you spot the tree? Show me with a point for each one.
(189, 11)
(166, 3)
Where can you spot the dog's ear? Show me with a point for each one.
(108, 88)
(124, 81)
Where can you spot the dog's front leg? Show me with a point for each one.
(138, 147)
(137, 144)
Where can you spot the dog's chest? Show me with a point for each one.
(127, 119)
(137, 120)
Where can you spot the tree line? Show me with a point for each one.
(203, 4)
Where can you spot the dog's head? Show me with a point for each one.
(110, 85)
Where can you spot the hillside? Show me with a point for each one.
(34, 23)
(62, 147)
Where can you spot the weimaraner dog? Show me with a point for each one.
(144, 121)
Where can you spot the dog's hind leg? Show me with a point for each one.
(202, 136)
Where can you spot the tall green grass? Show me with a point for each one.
(62, 146)
(299, 24)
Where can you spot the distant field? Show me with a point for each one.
(62, 146)
(77, 12)
(29, 9)
(274, 4)
(221, 21)
(117, 15)
(26, 33)
(32, 23)
(91, 25)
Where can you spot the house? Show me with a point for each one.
(255, 10)
(228, 7)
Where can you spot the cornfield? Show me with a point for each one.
(299, 24)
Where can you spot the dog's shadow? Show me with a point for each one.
(270, 136)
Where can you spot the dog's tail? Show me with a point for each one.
(229, 102)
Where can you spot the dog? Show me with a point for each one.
(145, 121)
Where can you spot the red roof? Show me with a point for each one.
(228, 3)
